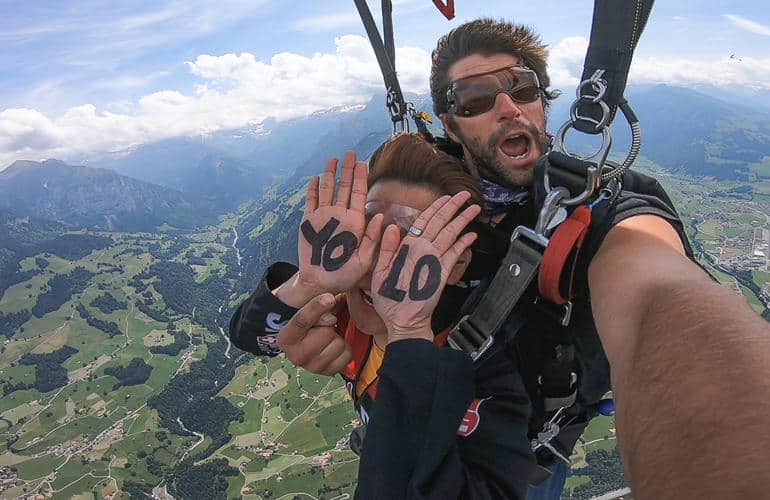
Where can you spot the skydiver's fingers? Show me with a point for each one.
(340, 305)
(305, 353)
(326, 191)
(371, 239)
(340, 362)
(447, 236)
(346, 179)
(449, 259)
(303, 320)
(422, 221)
(330, 361)
(443, 215)
(390, 242)
(311, 202)
(327, 319)
(358, 193)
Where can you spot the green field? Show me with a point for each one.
(90, 438)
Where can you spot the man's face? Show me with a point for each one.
(503, 143)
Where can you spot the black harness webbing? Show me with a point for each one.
(615, 31)
(385, 51)
(475, 332)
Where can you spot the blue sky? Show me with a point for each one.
(81, 77)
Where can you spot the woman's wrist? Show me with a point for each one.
(396, 333)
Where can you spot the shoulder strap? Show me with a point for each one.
(385, 51)
(615, 31)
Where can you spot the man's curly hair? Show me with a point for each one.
(486, 37)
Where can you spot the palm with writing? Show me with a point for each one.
(410, 274)
(336, 246)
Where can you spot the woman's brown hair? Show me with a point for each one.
(410, 158)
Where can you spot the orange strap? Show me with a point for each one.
(568, 235)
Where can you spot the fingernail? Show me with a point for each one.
(327, 299)
(328, 318)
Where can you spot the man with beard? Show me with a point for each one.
(688, 359)
(675, 344)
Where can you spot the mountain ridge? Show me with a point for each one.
(92, 197)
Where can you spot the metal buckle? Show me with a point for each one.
(593, 174)
(550, 430)
(397, 113)
(457, 331)
(562, 312)
(550, 209)
(530, 234)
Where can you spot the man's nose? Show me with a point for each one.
(506, 107)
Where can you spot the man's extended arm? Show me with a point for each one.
(690, 368)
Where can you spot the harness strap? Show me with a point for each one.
(475, 332)
(384, 48)
(615, 31)
(385, 53)
(569, 236)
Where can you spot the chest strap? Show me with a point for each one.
(565, 241)
(474, 333)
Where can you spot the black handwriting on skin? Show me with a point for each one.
(432, 280)
(324, 245)
(388, 288)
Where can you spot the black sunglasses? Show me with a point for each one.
(476, 94)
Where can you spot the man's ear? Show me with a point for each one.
(462, 264)
(448, 128)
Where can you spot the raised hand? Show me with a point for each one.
(310, 340)
(336, 246)
(410, 274)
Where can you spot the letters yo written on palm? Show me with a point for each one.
(336, 244)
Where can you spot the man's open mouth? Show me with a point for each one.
(516, 146)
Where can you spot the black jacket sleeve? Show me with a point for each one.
(257, 321)
(423, 441)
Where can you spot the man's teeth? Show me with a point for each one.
(526, 150)
(367, 298)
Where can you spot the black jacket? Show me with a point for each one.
(439, 426)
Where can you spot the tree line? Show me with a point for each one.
(61, 289)
(109, 327)
(135, 373)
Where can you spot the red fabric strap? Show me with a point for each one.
(568, 235)
(447, 9)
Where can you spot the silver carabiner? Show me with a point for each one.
(593, 173)
(551, 207)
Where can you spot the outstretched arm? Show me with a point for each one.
(690, 368)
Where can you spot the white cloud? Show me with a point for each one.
(747, 24)
(327, 22)
(238, 89)
(234, 90)
(567, 57)
(566, 62)
(753, 73)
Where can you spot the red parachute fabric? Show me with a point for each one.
(447, 9)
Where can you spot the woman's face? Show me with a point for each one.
(401, 204)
